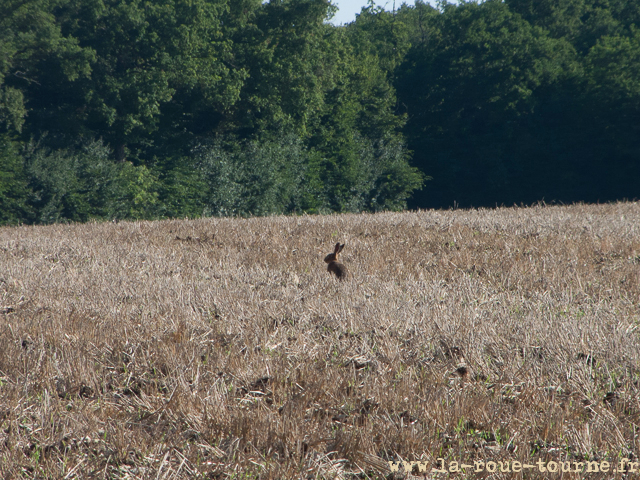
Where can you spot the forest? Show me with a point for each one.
(138, 109)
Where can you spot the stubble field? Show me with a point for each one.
(222, 348)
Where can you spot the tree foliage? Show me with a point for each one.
(512, 102)
(135, 109)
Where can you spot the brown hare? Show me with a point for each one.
(333, 265)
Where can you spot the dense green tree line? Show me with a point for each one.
(522, 100)
(165, 108)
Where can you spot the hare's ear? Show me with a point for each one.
(339, 247)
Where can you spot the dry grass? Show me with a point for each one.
(222, 348)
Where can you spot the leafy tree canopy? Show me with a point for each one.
(152, 109)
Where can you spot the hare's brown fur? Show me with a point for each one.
(334, 266)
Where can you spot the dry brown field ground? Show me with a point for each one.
(222, 348)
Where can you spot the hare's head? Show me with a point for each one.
(333, 257)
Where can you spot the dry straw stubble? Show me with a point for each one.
(224, 347)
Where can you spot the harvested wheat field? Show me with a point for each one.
(222, 348)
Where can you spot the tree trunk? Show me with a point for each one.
(121, 152)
